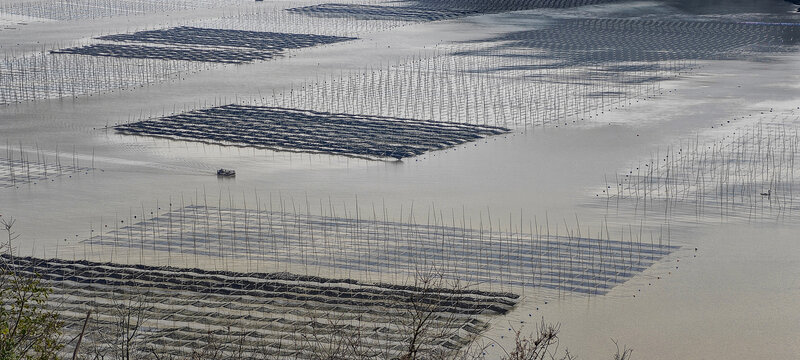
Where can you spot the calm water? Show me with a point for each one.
(740, 289)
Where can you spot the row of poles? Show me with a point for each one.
(745, 174)
(42, 75)
(28, 165)
(488, 89)
(69, 10)
(505, 253)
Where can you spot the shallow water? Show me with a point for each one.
(739, 290)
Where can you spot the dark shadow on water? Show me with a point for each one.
(201, 44)
(637, 45)
(433, 10)
(730, 6)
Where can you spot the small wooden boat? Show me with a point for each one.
(226, 172)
